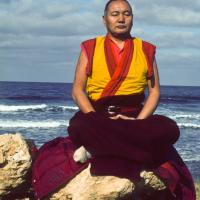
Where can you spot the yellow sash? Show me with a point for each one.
(135, 80)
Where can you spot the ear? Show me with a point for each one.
(104, 20)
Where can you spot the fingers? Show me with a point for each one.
(114, 117)
(126, 118)
(119, 116)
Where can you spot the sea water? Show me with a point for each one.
(41, 111)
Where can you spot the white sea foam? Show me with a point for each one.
(69, 108)
(178, 115)
(7, 108)
(188, 125)
(190, 158)
(11, 108)
(187, 116)
(32, 124)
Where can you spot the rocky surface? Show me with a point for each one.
(87, 187)
(15, 177)
(15, 164)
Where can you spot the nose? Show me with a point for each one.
(121, 18)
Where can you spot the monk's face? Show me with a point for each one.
(118, 18)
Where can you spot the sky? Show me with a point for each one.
(40, 39)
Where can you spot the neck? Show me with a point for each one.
(119, 39)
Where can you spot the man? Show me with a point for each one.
(118, 19)
(96, 79)
(116, 128)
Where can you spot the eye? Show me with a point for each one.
(115, 13)
(127, 13)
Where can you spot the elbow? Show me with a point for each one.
(158, 94)
(74, 97)
(74, 94)
(155, 94)
(155, 97)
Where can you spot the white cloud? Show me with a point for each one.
(172, 13)
(47, 33)
(179, 59)
(175, 39)
(44, 17)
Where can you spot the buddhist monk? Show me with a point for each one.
(116, 129)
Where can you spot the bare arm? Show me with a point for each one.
(81, 99)
(152, 99)
(154, 95)
(78, 89)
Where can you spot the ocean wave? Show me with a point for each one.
(61, 108)
(52, 124)
(32, 124)
(7, 108)
(179, 99)
(191, 158)
(188, 125)
(39, 107)
(186, 116)
(178, 115)
(73, 108)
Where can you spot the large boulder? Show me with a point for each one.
(15, 165)
(87, 187)
(15, 177)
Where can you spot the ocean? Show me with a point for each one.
(41, 111)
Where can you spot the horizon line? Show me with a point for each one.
(53, 82)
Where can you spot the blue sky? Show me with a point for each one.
(40, 39)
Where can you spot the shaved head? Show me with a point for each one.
(118, 18)
(110, 1)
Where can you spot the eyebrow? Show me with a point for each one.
(118, 11)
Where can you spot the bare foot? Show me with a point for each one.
(81, 155)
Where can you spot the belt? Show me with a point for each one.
(114, 110)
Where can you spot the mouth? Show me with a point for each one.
(121, 26)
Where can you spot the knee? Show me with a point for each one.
(171, 130)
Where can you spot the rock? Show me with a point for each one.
(87, 187)
(15, 177)
(15, 165)
(151, 180)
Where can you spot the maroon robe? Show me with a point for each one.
(119, 147)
